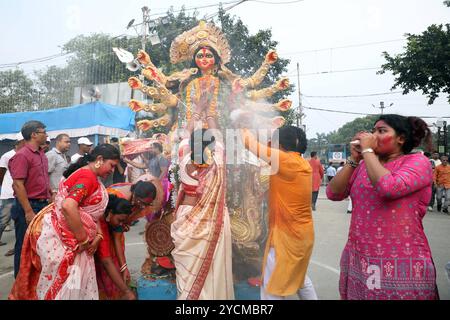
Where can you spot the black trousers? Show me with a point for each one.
(315, 194)
(433, 195)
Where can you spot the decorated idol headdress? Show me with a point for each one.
(205, 34)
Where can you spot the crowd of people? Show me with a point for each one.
(70, 214)
(67, 212)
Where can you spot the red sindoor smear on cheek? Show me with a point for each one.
(386, 140)
(385, 144)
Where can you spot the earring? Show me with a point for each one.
(97, 165)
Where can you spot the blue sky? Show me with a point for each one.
(33, 29)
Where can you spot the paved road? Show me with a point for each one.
(331, 228)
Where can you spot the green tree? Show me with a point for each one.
(54, 88)
(248, 51)
(17, 92)
(345, 133)
(318, 144)
(425, 64)
(341, 136)
(92, 59)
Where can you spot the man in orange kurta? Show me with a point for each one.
(317, 176)
(442, 181)
(291, 232)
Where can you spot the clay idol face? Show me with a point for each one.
(204, 59)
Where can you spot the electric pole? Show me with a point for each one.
(300, 111)
(145, 25)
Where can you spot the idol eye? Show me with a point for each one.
(209, 55)
(199, 56)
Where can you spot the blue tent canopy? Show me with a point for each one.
(78, 120)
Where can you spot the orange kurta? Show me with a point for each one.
(442, 176)
(317, 173)
(291, 230)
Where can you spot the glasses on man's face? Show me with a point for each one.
(44, 132)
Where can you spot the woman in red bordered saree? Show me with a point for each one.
(201, 230)
(55, 262)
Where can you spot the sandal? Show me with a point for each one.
(9, 253)
(2, 243)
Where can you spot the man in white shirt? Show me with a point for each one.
(84, 146)
(330, 172)
(58, 161)
(7, 193)
(341, 166)
(435, 158)
(435, 161)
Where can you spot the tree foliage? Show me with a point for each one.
(92, 60)
(17, 92)
(425, 64)
(341, 136)
(53, 88)
(345, 133)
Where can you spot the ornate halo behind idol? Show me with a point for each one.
(205, 34)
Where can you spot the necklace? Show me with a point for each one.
(204, 165)
(196, 85)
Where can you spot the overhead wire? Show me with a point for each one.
(365, 44)
(195, 8)
(366, 114)
(270, 2)
(226, 9)
(354, 95)
(332, 71)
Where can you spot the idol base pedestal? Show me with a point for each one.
(163, 289)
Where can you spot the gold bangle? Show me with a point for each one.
(85, 241)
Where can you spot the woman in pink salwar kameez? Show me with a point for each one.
(387, 255)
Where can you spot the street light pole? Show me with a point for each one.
(445, 137)
(382, 106)
(442, 136)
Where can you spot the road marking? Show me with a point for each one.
(134, 244)
(336, 271)
(11, 273)
(325, 266)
